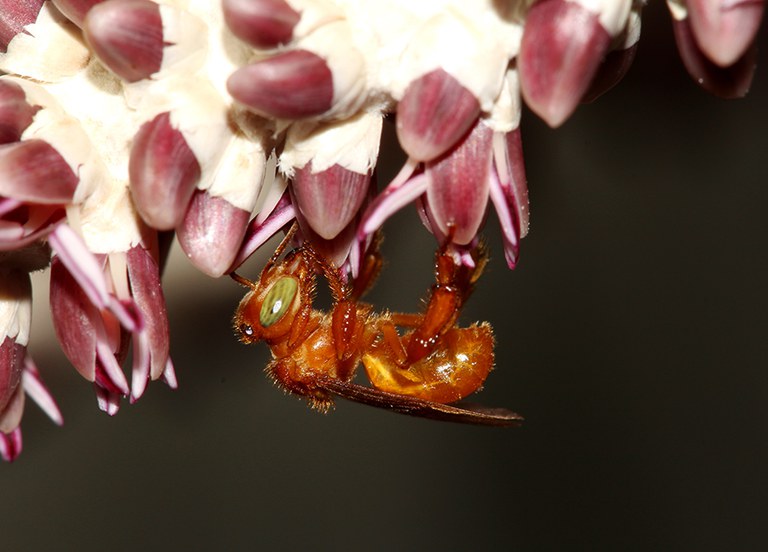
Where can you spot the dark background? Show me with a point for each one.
(632, 337)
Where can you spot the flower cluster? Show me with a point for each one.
(223, 121)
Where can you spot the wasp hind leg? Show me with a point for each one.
(456, 273)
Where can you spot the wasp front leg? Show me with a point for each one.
(348, 316)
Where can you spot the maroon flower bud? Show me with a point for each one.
(724, 29)
(146, 291)
(329, 199)
(90, 339)
(11, 366)
(75, 10)
(726, 82)
(30, 384)
(163, 172)
(13, 409)
(509, 193)
(453, 192)
(290, 85)
(100, 303)
(15, 316)
(261, 23)
(211, 232)
(15, 320)
(562, 46)
(457, 194)
(10, 445)
(34, 171)
(15, 113)
(127, 36)
(433, 115)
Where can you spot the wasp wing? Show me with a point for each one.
(402, 404)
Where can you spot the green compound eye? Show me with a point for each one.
(278, 300)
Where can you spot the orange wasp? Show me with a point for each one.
(316, 353)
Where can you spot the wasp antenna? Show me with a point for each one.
(245, 282)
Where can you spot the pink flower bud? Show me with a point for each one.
(212, 232)
(290, 85)
(146, 291)
(329, 199)
(457, 194)
(127, 36)
(163, 172)
(15, 321)
(90, 339)
(261, 23)
(11, 367)
(433, 115)
(75, 10)
(34, 171)
(509, 192)
(726, 82)
(10, 445)
(562, 46)
(724, 29)
(15, 113)
(100, 304)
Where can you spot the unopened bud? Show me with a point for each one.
(16, 113)
(724, 29)
(435, 112)
(563, 44)
(127, 36)
(458, 190)
(75, 10)
(261, 23)
(34, 171)
(290, 85)
(163, 173)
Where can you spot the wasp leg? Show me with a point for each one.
(406, 319)
(289, 235)
(370, 268)
(245, 282)
(339, 289)
(458, 366)
(454, 283)
(301, 318)
(347, 325)
(393, 341)
(288, 375)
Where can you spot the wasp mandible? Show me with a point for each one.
(316, 354)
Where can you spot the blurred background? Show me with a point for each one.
(632, 337)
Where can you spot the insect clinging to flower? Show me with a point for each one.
(315, 354)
